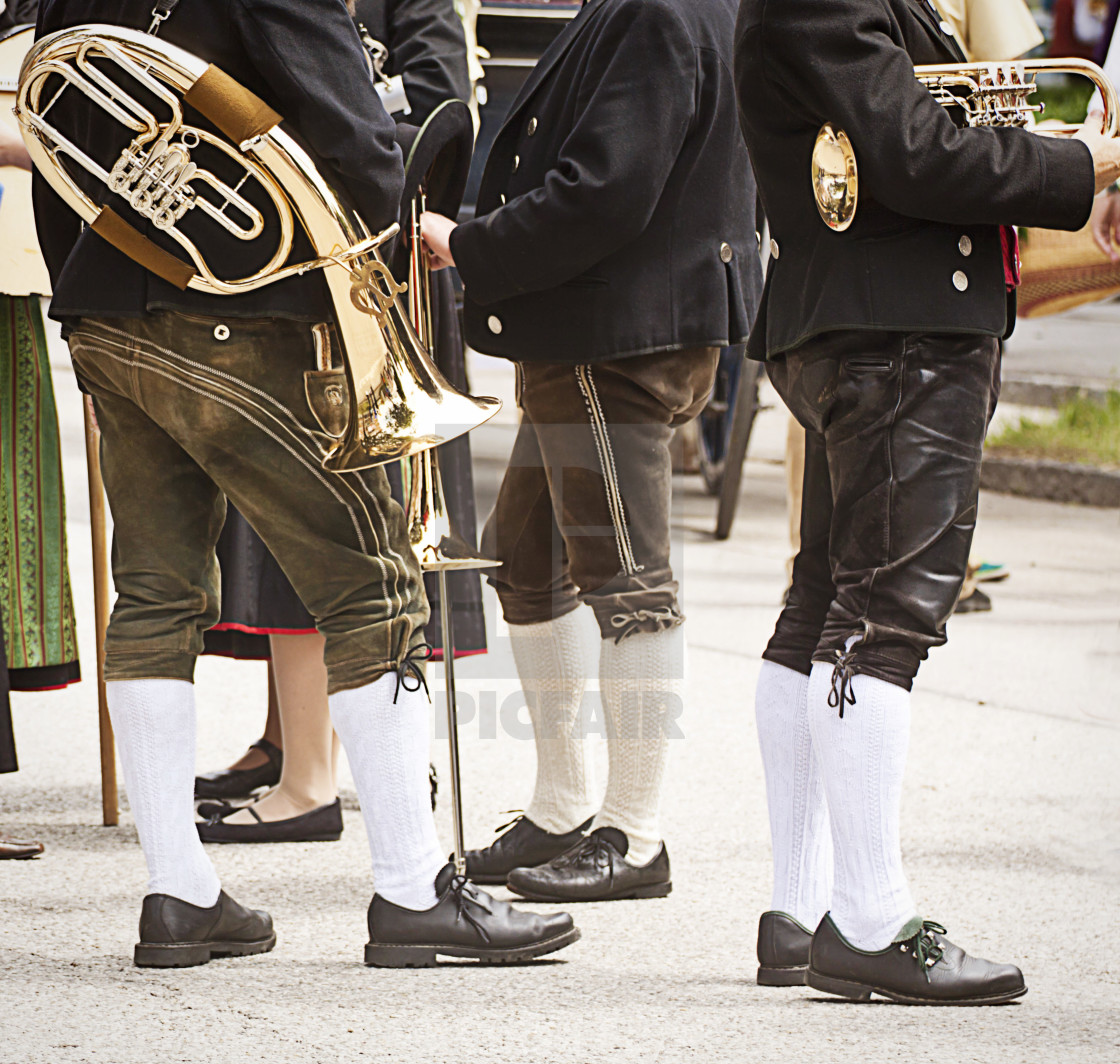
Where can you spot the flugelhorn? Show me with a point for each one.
(983, 94)
(399, 402)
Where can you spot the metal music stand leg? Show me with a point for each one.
(110, 813)
(452, 721)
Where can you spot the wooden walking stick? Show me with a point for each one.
(110, 813)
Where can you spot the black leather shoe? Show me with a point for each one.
(19, 849)
(176, 934)
(595, 869)
(523, 846)
(320, 825)
(464, 922)
(210, 810)
(783, 950)
(924, 968)
(241, 782)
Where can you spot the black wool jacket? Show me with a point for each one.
(426, 47)
(924, 251)
(304, 58)
(616, 211)
(18, 13)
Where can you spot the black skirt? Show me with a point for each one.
(258, 600)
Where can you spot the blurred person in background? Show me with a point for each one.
(38, 631)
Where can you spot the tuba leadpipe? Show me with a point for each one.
(399, 402)
(987, 95)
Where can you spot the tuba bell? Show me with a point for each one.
(399, 402)
(437, 546)
(982, 94)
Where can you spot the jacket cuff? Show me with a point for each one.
(1065, 198)
(481, 268)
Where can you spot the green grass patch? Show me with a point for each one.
(1085, 433)
(1066, 98)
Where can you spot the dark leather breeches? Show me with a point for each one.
(895, 425)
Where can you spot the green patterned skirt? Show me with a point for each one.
(36, 605)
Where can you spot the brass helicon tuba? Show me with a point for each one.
(984, 94)
(399, 402)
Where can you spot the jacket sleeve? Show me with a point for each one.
(309, 54)
(839, 61)
(634, 107)
(428, 49)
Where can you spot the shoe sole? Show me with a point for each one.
(192, 954)
(424, 956)
(794, 975)
(331, 837)
(862, 992)
(654, 890)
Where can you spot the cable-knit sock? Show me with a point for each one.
(154, 726)
(641, 681)
(799, 831)
(386, 745)
(862, 757)
(553, 663)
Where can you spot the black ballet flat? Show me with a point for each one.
(241, 782)
(320, 825)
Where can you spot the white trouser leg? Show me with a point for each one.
(553, 663)
(387, 745)
(641, 681)
(154, 726)
(799, 832)
(862, 757)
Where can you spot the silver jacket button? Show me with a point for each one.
(960, 280)
(516, 163)
(502, 197)
(965, 245)
(494, 324)
(221, 332)
(775, 251)
(946, 28)
(725, 252)
(532, 126)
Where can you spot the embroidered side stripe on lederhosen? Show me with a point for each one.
(602, 439)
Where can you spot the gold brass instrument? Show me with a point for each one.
(986, 94)
(399, 402)
(436, 545)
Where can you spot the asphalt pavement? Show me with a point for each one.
(1011, 835)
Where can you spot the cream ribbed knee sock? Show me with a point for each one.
(862, 757)
(154, 726)
(641, 681)
(387, 747)
(553, 662)
(799, 831)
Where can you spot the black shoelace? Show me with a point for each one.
(466, 892)
(594, 850)
(409, 671)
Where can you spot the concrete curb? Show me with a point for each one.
(1041, 390)
(1056, 481)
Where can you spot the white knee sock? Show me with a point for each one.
(799, 831)
(154, 727)
(862, 757)
(387, 747)
(553, 663)
(641, 681)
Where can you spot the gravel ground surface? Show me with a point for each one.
(1011, 839)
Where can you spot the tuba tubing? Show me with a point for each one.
(399, 402)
